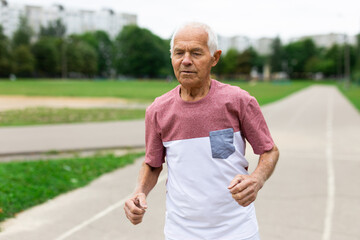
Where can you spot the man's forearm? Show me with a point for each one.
(136, 206)
(147, 180)
(266, 165)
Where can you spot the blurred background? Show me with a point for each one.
(262, 40)
(77, 76)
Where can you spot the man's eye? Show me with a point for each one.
(197, 53)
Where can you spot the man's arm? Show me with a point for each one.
(136, 206)
(244, 188)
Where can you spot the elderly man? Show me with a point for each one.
(201, 127)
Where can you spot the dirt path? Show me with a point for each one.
(20, 102)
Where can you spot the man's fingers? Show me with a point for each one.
(242, 185)
(235, 181)
(134, 219)
(243, 194)
(134, 212)
(132, 216)
(244, 188)
(246, 200)
(133, 207)
(245, 197)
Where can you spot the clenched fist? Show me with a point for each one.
(135, 208)
(244, 189)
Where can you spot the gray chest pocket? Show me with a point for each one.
(221, 142)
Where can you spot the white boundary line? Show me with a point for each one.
(100, 215)
(330, 202)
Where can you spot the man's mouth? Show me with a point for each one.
(188, 72)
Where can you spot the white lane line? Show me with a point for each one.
(330, 202)
(100, 214)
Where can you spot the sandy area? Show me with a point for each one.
(20, 102)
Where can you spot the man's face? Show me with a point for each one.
(191, 59)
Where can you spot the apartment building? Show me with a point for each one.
(76, 20)
(241, 43)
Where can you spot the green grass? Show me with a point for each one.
(270, 92)
(352, 93)
(36, 116)
(135, 90)
(144, 91)
(26, 184)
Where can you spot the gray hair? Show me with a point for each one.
(212, 37)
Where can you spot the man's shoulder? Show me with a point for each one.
(231, 91)
(163, 101)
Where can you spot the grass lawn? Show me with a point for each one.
(36, 116)
(144, 91)
(270, 92)
(352, 93)
(26, 184)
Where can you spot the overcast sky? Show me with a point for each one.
(255, 19)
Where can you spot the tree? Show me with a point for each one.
(277, 56)
(23, 34)
(53, 29)
(81, 57)
(74, 61)
(57, 30)
(104, 48)
(47, 57)
(256, 60)
(140, 53)
(335, 57)
(24, 61)
(230, 62)
(356, 74)
(357, 49)
(297, 54)
(351, 51)
(319, 64)
(234, 63)
(5, 55)
(219, 68)
(166, 69)
(247, 60)
(88, 53)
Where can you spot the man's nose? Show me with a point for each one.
(187, 59)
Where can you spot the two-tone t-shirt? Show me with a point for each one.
(204, 146)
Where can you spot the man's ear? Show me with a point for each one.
(216, 57)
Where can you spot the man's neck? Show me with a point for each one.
(194, 93)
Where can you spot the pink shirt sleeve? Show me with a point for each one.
(155, 150)
(255, 129)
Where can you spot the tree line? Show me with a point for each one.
(301, 59)
(137, 52)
